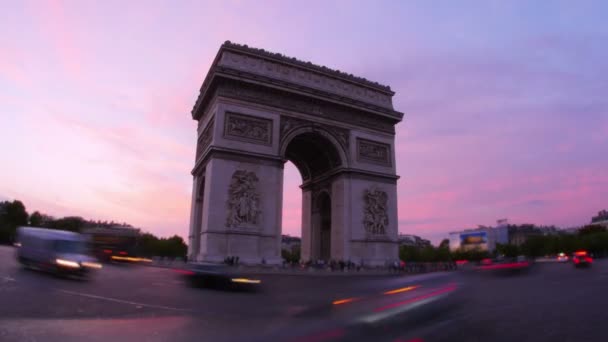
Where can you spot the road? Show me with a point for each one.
(554, 302)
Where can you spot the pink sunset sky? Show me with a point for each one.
(505, 102)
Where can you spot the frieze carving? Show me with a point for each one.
(375, 218)
(304, 77)
(341, 134)
(248, 128)
(204, 139)
(312, 106)
(308, 65)
(373, 152)
(289, 123)
(243, 200)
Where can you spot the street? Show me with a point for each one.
(553, 302)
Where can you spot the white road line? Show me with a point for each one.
(122, 301)
(7, 279)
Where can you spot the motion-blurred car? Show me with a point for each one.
(582, 259)
(218, 276)
(562, 257)
(55, 251)
(504, 266)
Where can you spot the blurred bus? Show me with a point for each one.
(55, 251)
(114, 243)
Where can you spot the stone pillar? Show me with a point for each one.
(192, 250)
(240, 217)
(306, 242)
(340, 218)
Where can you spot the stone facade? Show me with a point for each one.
(257, 110)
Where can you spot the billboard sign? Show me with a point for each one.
(473, 239)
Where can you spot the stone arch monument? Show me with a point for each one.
(255, 111)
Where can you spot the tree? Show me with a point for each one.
(71, 223)
(591, 229)
(36, 219)
(173, 247)
(507, 250)
(445, 243)
(12, 215)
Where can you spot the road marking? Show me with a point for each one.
(115, 300)
(7, 279)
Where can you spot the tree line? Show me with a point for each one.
(13, 214)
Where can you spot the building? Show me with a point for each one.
(412, 240)
(481, 238)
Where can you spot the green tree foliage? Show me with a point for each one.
(291, 256)
(508, 250)
(173, 247)
(71, 223)
(439, 254)
(12, 215)
(591, 229)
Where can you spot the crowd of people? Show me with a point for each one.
(397, 266)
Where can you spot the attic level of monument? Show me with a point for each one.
(289, 75)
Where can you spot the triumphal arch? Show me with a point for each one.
(255, 111)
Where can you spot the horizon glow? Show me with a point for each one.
(506, 113)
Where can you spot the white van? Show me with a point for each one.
(55, 251)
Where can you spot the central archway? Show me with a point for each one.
(316, 154)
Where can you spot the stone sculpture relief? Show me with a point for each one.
(243, 199)
(204, 140)
(375, 218)
(374, 152)
(248, 128)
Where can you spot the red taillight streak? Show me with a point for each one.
(107, 251)
(441, 291)
(323, 336)
(503, 266)
(185, 272)
(122, 253)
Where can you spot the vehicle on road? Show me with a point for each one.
(562, 257)
(582, 259)
(56, 251)
(504, 265)
(115, 244)
(217, 276)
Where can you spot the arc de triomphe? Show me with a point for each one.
(255, 111)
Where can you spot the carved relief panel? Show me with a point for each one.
(204, 140)
(375, 217)
(373, 152)
(243, 200)
(248, 128)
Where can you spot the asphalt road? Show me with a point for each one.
(554, 302)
